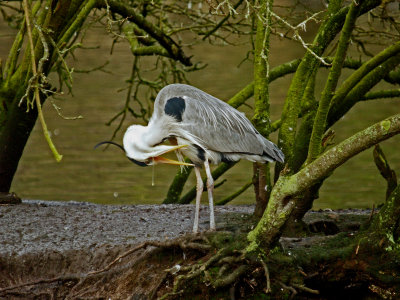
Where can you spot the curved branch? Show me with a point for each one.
(161, 37)
(282, 201)
(339, 154)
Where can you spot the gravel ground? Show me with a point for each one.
(35, 226)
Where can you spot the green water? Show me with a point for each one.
(99, 176)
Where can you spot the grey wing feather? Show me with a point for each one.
(214, 124)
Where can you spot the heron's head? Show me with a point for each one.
(143, 147)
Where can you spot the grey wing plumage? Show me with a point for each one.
(215, 124)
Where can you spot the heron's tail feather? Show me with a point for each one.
(272, 152)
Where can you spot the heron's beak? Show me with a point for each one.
(163, 160)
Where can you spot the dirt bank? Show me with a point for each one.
(69, 250)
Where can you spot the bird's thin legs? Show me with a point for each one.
(199, 191)
(210, 190)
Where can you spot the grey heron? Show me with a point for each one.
(202, 128)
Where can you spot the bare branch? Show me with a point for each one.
(163, 39)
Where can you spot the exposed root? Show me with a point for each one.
(305, 289)
(231, 278)
(181, 243)
(80, 284)
(290, 288)
(203, 269)
(266, 271)
(66, 278)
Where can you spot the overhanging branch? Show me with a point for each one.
(339, 154)
(161, 37)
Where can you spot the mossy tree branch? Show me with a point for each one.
(76, 24)
(261, 118)
(333, 77)
(361, 87)
(381, 95)
(362, 71)
(282, 201)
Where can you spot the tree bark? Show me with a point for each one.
(13, 138)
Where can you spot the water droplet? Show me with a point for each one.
(56, 131)
(115, 194)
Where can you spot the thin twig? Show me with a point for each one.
(297, 36)
(46, 134)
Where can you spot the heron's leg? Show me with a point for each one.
(199, 191)
(210, 190)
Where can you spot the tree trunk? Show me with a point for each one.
(262, 188)
(14, 134)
